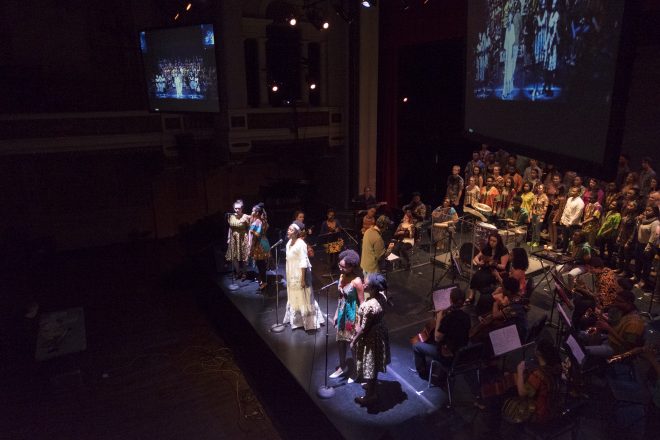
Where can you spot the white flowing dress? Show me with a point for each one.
(302, 310)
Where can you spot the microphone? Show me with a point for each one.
(329, 285)
(281, 240)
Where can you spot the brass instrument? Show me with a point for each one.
(593, 313)
(630, 354)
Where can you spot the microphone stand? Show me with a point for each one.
(277, 327)
(350, 236)
(324, 391)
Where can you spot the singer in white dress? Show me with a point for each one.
(302, 310)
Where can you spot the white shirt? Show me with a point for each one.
(572, 212)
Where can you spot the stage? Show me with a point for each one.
(406, 405)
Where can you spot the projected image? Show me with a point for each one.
(178, 78)
(180, 68)
(541, 50)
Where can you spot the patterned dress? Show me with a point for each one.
(372, 349)
(347, 305)
(337, 245)
(239, 244)
(260, 244)
(591, 221)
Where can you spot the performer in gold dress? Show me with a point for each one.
(238, 249)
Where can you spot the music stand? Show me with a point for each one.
(323, 240)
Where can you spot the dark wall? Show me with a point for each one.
(69, 56)
(431, 138)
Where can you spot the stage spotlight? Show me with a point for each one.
(188, 6)
(312, 86)
(274, 88)
(176, 17)
(292, 20)
(317, 20)
(405, 99)
(368, 4)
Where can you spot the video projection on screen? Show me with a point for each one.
(540, 73)
(180, 69)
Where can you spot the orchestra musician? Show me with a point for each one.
(606, 287)
(508, 307)
(417, 208)
(446, 216)
(369, 219)
(366, 199)
(404, 238)
(518, 215)
(333, 244)
(625, 335)
(581, 252)
(450, 335)
(491, 261)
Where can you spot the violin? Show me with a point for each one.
(426, 334)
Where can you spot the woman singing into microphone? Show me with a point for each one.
(238, 242)
(302, 310)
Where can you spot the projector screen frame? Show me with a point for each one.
(617, 111)
(144, 70)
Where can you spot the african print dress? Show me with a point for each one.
(239, 244)
(260, 244)
(372, 349)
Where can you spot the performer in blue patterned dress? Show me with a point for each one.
(351, 295)
(259, 246)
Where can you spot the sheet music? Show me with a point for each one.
(562, 313)
(578, 354)
(441, 300)
(504, 340)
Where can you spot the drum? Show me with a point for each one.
(483, 209)
(440, 233)
(521, 234)
(481, 232)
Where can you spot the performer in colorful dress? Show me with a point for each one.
(539, 209)
(591, 218)
(302, 310)
(238, 249)
(260, 248)
(332, 242)
(371, 343)
(351, 295)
